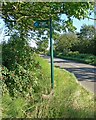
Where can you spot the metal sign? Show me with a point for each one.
(48, 24)
(42, 24)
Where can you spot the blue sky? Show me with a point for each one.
(78, 23)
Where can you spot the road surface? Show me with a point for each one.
(84, 73)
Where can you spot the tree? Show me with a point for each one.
(87, 40)
(87, 32)
(65, 43)
(21, 15)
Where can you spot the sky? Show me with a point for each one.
(77, 23)
(1, 29)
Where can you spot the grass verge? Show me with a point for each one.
(70, 100)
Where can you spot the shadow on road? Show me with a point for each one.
(83, 73)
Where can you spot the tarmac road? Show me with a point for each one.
(84, 73)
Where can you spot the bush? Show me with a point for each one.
(20, 68)
(73, 53)
(65, 43)
(18, 82)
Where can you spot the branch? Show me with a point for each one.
(8, 20)
(91, 18)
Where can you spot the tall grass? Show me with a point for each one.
(69, 100)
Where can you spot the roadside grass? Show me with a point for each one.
(70, 100)
(73, 100)
(83, 58)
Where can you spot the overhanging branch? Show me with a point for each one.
(91, 18)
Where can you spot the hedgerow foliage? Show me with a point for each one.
(22, 76)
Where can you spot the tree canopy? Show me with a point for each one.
(21, 15)
(65, 42)
(87, 32)
(83, 42)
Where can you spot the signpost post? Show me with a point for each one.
(51, 53)
(44, 24)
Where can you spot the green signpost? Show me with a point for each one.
(51, 53)
(48, 24)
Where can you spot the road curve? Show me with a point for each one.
(84, 73)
